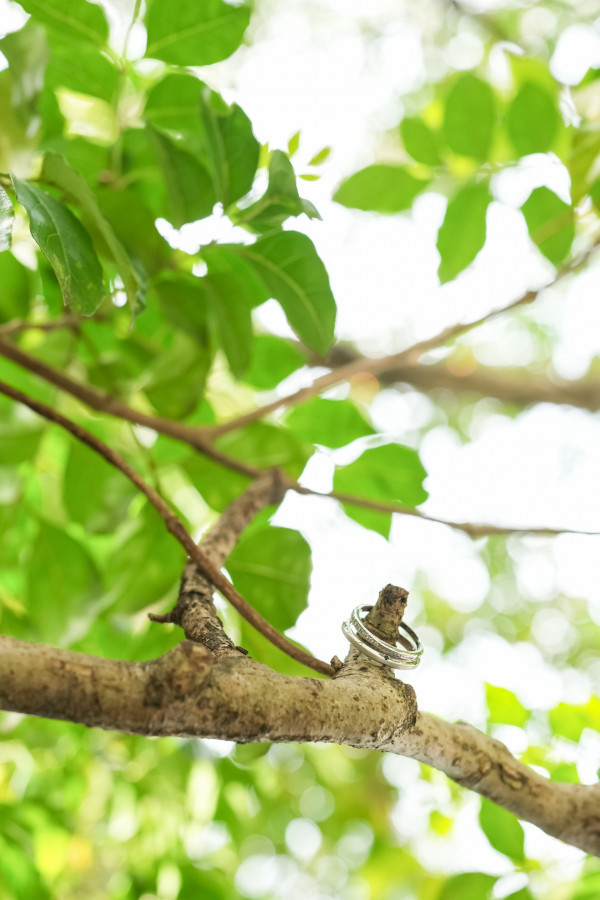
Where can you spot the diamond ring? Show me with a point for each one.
(408, 656)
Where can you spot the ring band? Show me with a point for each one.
(383, 652)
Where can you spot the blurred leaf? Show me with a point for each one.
(293, 144)
(462, 233)
(188, 34)
(14, 288)
(468, 886)
(504, 707)
(271, 569)
(379, 522)
(20, 434)
(232, 149)
(7, 215)
(280, 201)
(230, 260)
(565, 773)
(469, 116)
(550, 223)
(81, 68)
(569, 720)
(392, 473)
(320, 157)
(273, 359)
(190, 191)
(57, 171)
(265, 446)
(62, 583)
(66, 245)
(523, 894)
(502, 829)
(27, 53)
(296, 277)
(146, 564)
(173, 105)
(232, 314)
(95, 494)
(175, 380)
(184, 302)
(333, 423)
(78, 20)
(532, 119)
(588, 887)
(133, 223)
(420, 141)
(380, 188)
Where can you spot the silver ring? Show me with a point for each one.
(383, 652)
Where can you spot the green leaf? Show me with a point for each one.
(295, 276)
(27, 53)
(271, 568)
(273, 359)
(333, 423)
(7, 215)
(57, 171)
(15, 292)
(174, 382)
(588, 887)
(184, 303)
(523, 894)
(569, 721)
(380, 188)
(173, 105)
(550, 222)
(231, 147)
(66, 245)
(502, 829)
(232, 313)
(565, 773)
(230, 260)
(280, 201)
(20, 434)
(63, 585)
(190, 191)
(146, 564)
(420, 141)
(468, 886)
(191, 34)
(133, 223)
(504, 707)
(76, 20)
(462, 233)
(320, 157)
(469, 116)
(392, 473)
(265, 446)
(293, 143)
(379, 522)
(532, 119)
(95, 494)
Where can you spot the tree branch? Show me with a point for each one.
(16, 326)
(239, 699)
(195, 611)
(175, 526)
(192, 435)
(510, 385)
(409, 356)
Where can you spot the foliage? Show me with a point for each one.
(100, 148)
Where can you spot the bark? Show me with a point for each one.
(188, 693)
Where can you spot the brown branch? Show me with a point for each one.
(194, 437)
(174, 525)
(510, 385)
(16, 326)
(104, 403)
(409, 356)
(195, 611)
(241, 700)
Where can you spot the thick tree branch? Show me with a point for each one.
(241, 700)
(510, 385)
(194, 611)
(192, 435)
(175, 526)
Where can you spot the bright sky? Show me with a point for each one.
(309, 68)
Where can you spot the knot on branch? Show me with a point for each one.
(174, 676)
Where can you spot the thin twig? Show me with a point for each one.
(374, 366)
(16, 326)
(189, 435)
(174, 525)
(195, 611)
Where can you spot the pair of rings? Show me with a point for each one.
(408, 656)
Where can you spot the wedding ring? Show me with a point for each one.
(408, 656)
